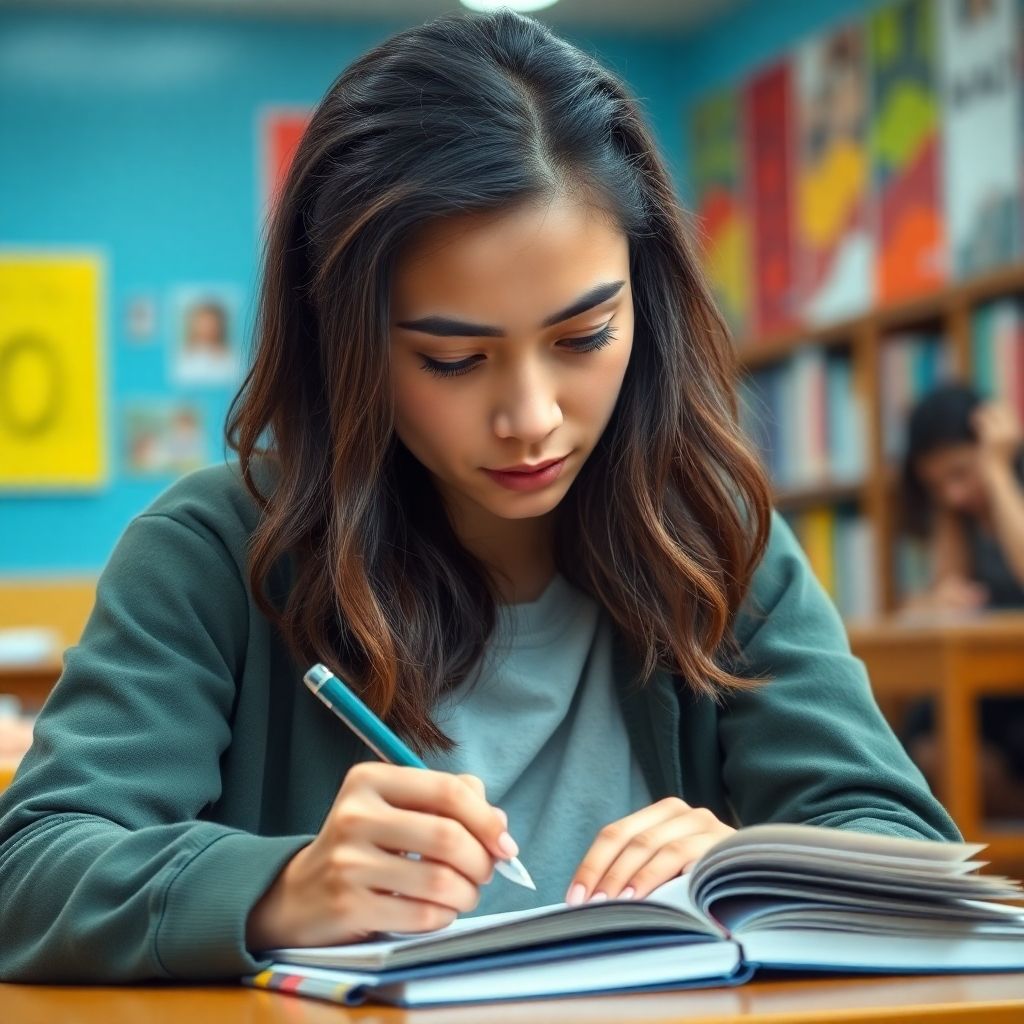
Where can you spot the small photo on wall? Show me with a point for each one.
(140, 319)
(163, 437)
(206, 345)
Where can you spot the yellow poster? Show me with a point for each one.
(52, 429)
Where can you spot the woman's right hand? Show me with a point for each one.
(354, 879)
(950, 594)
(959, 593)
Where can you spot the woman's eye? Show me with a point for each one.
(591, 343)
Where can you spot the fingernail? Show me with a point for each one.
(628, 893)
(504, 816)
(576, 894)
(598, 896)
(507, 845)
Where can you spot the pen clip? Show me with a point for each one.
(318, 677)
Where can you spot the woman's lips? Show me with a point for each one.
(519, 481)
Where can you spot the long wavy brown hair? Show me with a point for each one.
(670, 515)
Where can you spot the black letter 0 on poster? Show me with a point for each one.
(28, 346)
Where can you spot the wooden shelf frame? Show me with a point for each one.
(949, 309)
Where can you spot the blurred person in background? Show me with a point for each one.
(963, 481)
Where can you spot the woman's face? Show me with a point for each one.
(528, 288)
(950, 476)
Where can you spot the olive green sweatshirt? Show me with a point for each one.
(180, 762)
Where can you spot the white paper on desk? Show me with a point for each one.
(28, 645)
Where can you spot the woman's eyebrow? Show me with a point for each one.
(446, 327)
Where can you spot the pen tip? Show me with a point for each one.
(515, 872)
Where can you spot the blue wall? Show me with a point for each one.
(137, 136)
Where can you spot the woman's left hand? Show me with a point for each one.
(636, 854)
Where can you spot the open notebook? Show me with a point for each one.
(780, 896)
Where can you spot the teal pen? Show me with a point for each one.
(380, 739)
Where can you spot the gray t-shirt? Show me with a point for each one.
(543, 728)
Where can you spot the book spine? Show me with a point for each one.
(350, 994)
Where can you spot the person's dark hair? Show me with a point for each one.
(941, 419)
(669, 516)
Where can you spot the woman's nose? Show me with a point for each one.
(528, 406)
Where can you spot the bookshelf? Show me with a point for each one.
(949, 315)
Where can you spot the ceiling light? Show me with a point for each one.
(523, 6)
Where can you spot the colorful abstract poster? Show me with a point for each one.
(281, 129)
(833, 225)
(52, 417)
(982, 137)
(906, 150)
(769, 121)
(722, 217)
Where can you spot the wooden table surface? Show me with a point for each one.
(963, 999)
(957, 659)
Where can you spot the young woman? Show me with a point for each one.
(477, 268)
(963, 476)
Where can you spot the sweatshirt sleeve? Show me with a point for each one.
(107, 871)
(811, 745)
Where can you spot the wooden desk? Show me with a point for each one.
(62, 605)
(955, 659)
(31, 684)
(953, 999)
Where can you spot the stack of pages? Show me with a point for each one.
(783, 896)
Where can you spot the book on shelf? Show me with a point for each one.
(806, 418)
(912, 565)
(997, 351)
(817, 534)
(839, 545)
(779, 896)
(911, 364)
(856, 584)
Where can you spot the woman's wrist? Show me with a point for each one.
(997, 473)
(261, 931)
(267, 926)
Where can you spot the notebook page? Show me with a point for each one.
(820, 863)
(667, 908)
